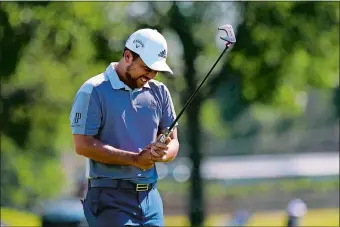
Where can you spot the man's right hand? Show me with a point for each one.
(145, 159)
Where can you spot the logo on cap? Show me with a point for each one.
(162, 54)
(138, 43)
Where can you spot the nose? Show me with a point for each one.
(151, 75)
(145, 79)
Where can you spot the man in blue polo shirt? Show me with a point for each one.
(116, 118)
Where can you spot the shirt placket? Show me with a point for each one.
(133, 99)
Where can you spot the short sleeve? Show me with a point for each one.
(85, 117)
(168, 110)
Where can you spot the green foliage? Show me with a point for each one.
(211, 119)
(285, 51)
(48, 49)
(60, 53)
(26, 175)
(284, 48)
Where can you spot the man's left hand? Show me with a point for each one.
(159, 150)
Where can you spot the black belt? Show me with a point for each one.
(119, 184)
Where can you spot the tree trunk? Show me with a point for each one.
(191, 51)
(196, 186)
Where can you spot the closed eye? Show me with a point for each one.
(147, 69)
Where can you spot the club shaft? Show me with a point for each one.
(195, 93)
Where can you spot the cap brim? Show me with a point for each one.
(160, 66)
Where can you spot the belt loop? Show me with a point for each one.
(88, 183)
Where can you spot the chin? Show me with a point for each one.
(139, 85)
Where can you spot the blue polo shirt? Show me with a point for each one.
(106, 108)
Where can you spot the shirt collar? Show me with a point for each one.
(116, 83)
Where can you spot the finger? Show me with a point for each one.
(159, 149)
(158, 137)
(158, 159)
(168, 140)
(155, 153)
(158, 152)
(160, 146)
(148, 146)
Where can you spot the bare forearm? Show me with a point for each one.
(172, 150)
(98, 151)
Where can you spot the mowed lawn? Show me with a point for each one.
(320, 217)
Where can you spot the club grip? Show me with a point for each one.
(164, 136)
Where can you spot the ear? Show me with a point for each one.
(128, 57)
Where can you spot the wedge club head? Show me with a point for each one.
(230, 37)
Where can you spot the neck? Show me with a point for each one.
(120, 72)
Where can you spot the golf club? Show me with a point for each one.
(230, 39)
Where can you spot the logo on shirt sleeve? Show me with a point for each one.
(76, 118)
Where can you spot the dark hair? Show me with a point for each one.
(134, 55)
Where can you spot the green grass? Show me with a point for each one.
(320, 217)
(13, 217)
(220, 189)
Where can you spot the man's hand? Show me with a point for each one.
(154, 152)
(149, 155)
(159, 150)
(143, 160)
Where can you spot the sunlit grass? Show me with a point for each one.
(321, 217)
(13, 217)
(316, 217)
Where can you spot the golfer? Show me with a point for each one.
(116, 118)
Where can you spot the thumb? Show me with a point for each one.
(167, 141)
(159, 136)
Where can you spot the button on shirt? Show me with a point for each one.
(104, 107)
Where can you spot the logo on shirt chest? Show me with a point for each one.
(153, 105)
(150, 104)
(144, 100)
(146, 108)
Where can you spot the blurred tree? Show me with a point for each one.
(284, 49)
(277, 57)
(184, 27)
(336, 102)
(47, 51)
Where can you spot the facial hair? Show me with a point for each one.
(131, 82)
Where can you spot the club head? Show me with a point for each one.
(230, 37)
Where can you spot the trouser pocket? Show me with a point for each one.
(91, 206)
(90, 218)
